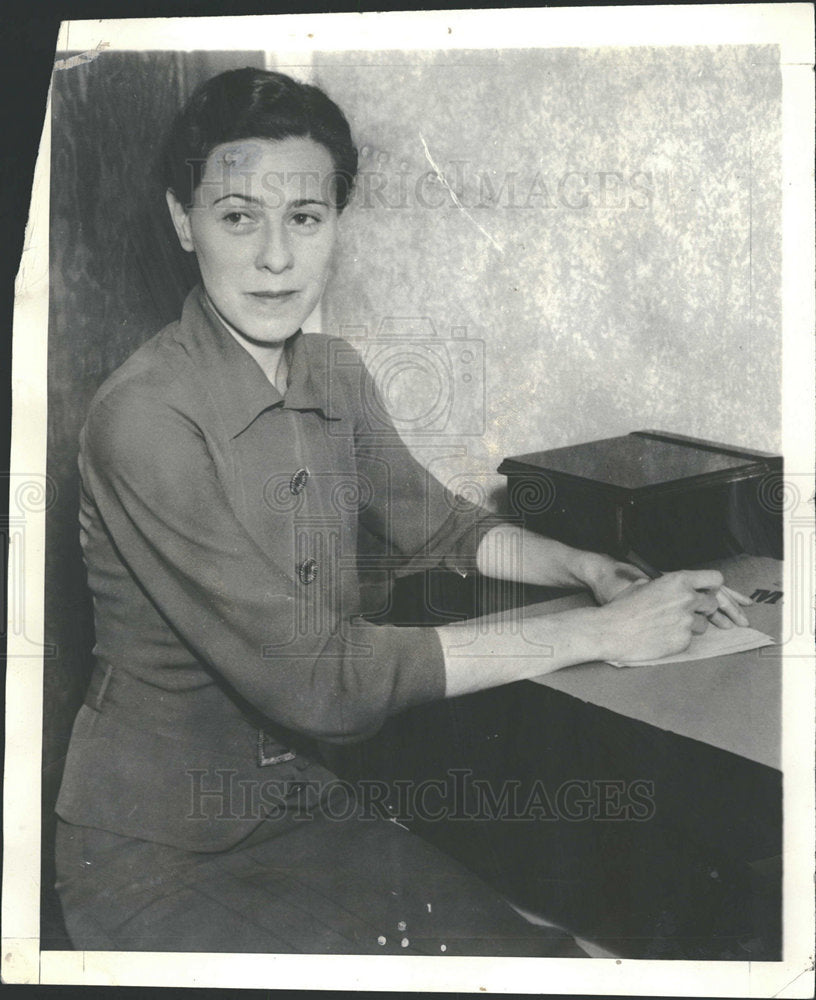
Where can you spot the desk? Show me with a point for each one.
(731, 702)
(692, 882)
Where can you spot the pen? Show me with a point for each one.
(641, 564)
(644, 567)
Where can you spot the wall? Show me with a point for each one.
(607, 228)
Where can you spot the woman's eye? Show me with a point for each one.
(305, 220)
(236, 219)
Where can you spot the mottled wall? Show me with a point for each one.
(611, 236)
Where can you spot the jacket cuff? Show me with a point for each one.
(414, 658)
(419, 674)
(461, 558)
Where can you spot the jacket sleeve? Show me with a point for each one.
(409, 510)
(147, 467)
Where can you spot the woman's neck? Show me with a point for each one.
(270, 357)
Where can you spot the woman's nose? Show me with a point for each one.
(275, 251)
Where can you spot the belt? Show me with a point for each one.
(159, 709)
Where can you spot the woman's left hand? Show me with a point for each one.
(609, 577)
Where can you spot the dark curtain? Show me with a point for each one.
(117, 276)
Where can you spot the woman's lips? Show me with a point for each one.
(273, 296)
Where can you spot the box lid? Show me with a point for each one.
(646, 461)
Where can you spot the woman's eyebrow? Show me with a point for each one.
(236, 194)
(302, 202)
(296, 203)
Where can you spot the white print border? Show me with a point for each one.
(790, 26)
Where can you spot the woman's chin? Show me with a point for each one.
(267, 338)
(261, 331)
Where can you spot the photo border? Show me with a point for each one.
(788, 25)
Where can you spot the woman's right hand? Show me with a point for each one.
(646, 621)
(657, 618)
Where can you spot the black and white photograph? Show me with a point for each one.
(411, 541)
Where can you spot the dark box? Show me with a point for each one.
(674, 500)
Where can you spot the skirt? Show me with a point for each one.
(361, 886)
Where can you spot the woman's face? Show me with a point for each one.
(263, 226)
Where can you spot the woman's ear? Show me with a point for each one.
(181, 220)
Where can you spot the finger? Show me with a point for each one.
(704, 579)
(720, 620)
(736, 596)
(730, 609)
(707, 603)
(700, 624)
(629, 572)
(628, 590)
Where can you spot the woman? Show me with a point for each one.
(221, 543)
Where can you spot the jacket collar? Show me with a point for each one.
(236, 381)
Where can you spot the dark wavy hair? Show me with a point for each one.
(254, 104)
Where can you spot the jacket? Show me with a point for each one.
(222, 526)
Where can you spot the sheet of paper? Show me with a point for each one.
(712, 642)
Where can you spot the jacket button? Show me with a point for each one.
(307, 571)
(298, 481)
